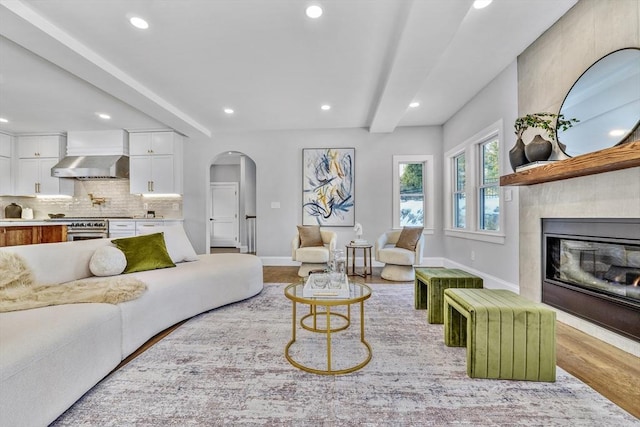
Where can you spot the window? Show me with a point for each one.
(413, 192)
(459, 196)
(489, 189)
(472, 188)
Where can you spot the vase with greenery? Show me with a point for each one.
(540, 148)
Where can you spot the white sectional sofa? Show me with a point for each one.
(51, 356)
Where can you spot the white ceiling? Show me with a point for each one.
(61, 61)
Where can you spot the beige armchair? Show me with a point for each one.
(398, 261)
(313, 257)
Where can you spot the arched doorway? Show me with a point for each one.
(232, 203)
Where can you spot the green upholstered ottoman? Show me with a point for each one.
(507, 336)
(430, 284)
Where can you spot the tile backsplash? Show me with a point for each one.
(118, 202)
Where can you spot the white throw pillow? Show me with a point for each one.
(176, 241)
(107, 261)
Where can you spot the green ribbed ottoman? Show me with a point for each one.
(430, 284)
(507, 336)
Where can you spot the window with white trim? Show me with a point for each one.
(413, 192)
(488, 189)
(459, 195)
(472, 187)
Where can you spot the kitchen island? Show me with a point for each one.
(15, 232)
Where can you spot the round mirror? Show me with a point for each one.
(606, 101)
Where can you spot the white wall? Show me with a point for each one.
(498, 100)
(278, 158)
(225, 173)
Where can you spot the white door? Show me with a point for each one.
(224, 214)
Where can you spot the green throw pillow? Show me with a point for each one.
(146, 252)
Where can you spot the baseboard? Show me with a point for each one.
(274, 261)
(489, 281)
(432, 262)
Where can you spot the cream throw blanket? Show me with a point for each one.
(18, 290)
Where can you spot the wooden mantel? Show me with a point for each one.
(610, 159)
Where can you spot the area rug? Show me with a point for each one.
(227, 367)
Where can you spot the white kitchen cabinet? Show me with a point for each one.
(155, 163)
(146, 227)
(37, 154)
(5, 165)
(5, 176)
(143, 143)
(34, 178)
(5, 145)
(40, 146)
(131, 227)
(119, 229)
(152, 174)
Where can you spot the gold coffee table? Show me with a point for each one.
(358, 294)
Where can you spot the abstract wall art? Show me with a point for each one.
(328, 186)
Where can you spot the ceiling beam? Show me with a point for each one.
(429, 27)
(24, 26)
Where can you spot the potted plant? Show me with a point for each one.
(539, 148)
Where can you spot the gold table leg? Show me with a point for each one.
(328, 331)
(328, 338)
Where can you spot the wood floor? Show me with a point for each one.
(611, 372)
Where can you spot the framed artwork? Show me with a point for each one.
(328, 186)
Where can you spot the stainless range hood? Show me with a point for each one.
(92, 167)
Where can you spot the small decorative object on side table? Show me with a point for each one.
(358, 229)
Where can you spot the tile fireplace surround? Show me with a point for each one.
(547, 70)
(607, 195)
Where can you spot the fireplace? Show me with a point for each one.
(591, 269)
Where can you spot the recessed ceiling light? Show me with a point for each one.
(481, 4)
(139, 22)
(325, 107)
(3, 120)
(414, 104)
(104, 116)
(314, 11)
(617, 132)
(229, 110)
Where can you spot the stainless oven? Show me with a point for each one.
(85, 228)
(85, 236)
